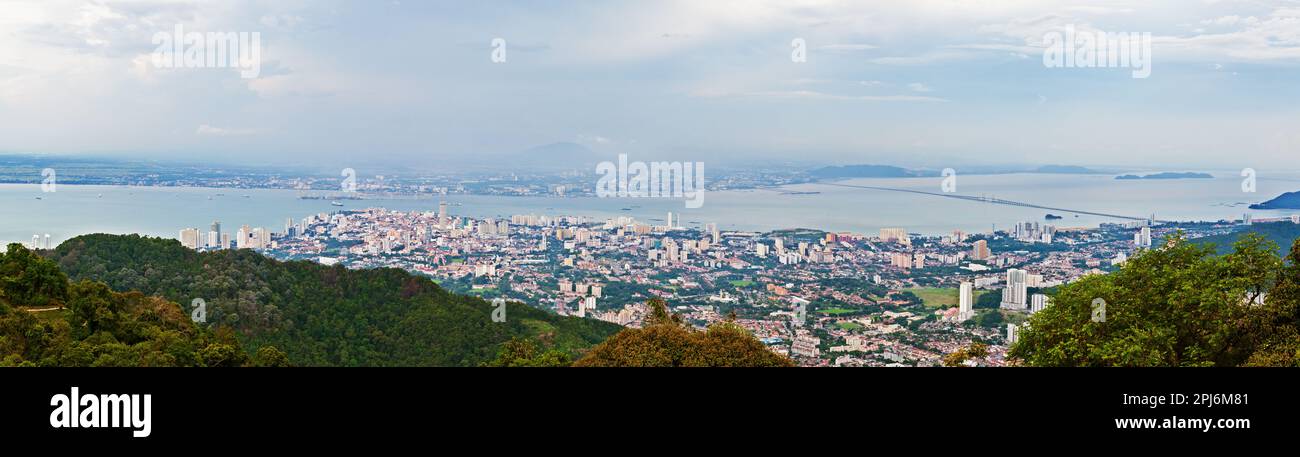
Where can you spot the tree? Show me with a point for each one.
(27, 279)
(521, 352)
(269, 356)
(989, 319)
(1176, 305)
(222, 355)
(93, 308)
(665, 341)
(975, 350)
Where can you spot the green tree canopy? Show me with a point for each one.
(1176, 305)
(666, 342)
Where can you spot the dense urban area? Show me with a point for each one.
(891, 298)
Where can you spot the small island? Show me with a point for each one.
(1289, 200)
(1167, 175)
(1053, 217)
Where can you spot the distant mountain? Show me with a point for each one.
(1167, 175)
(323, 315)
(866, 171)
(1289, 200)
(889, 171)
(1065, 169)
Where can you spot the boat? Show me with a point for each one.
(336, 203)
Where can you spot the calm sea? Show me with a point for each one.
(163, 211)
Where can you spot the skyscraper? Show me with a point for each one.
(980, 251)
(1038, 302)
(966, 302)
(1015, 295)
(190, 238)
(242, 237)
(1142, 238)
(442, 214)
(261, 238)
(895, 234)
(214, 235)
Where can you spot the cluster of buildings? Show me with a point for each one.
(823, 298)
(245, 238)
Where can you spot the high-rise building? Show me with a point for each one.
(1014, 296)
(1013, 334)
(1142, 238)
(243, 237)
(901, 260)
(1038, 302)
(895, 234)
(190, 238)
(261, 238)
(981, 250)
(966, 302)
(442, 214)
(214, 236)
(958, 236)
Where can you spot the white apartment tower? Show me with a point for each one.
(966, 302)
(1014, 297)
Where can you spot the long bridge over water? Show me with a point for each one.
(992, 200)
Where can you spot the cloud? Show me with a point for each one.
(814, 95)
(845, 47)
(926, 58)
(918, 87)
(208, 130)
(590, 139)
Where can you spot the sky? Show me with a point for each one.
(920, 83)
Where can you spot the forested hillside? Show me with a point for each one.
(323, 315)
(45, 320)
